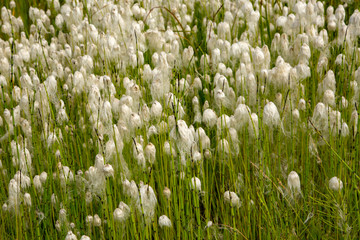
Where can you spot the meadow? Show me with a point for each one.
(179, 119)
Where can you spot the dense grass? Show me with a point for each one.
(256, 168)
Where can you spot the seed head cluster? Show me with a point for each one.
(189, 114)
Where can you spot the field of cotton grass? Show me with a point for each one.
(181, 119)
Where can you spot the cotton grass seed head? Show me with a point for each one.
(121, 213)
(232, 199)
(294, 182)
(167, 193)
(164, 221)
(150, 153)
(97, 221)
(271, 116)
(89, 220)
(195, 184)
(209, 117)
(335, 184)
(108, 170)
(70, 236)
(147, 203)
(27, 199)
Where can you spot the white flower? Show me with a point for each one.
(335, 184)
(329, 82)
(37, 183)
(23, 180)
(135, 121)
(27, 199)
(108, 170)
(146, 203)
(209, 117)
(130, 189)
(195, 184)
(187, 55)
(344, 102)
(154, 39)
(208, 224)
(150, 153)
(223, 122)
(232, 199)
(62, 215)
(242, 116)
(258, 58)
(70, 236)
(95, 180)
(302, 104)
(97, 220)
(253, 125)
(167, 193)
(202, 139)
(169, 150)
(14, 194)
(65, 175)
(345, 130)
(305, 53)
(4, 207)
(122, 212)
(89, 220)
(183, 136)
(164, 221)
(59, 21)
(329, 98)
(294, 182)
(224, 147)
(271, 116)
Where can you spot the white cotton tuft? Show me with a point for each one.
(150, 153)
(329, 98)
(253, 125)
(271, 116)
(183, 136)
(345, 130)
(27, 199)
(224, 147)
(14, 195)
(130, 189)
(242, 116)
(335, 184)
(147, 202)
(209, 117)
(89, 220)
(202, 139)
(70, 236)
(122, 213)
(195, 184)
(37, 183)
(23, 180)
(65, 175)
(232, 199)
(97, 221)
(320, 117)
(329, 83)
(167, 193)
(164, 221)
(302, 104)
(294, 182)
(108, 170)
(169, 149)
(223, 122)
